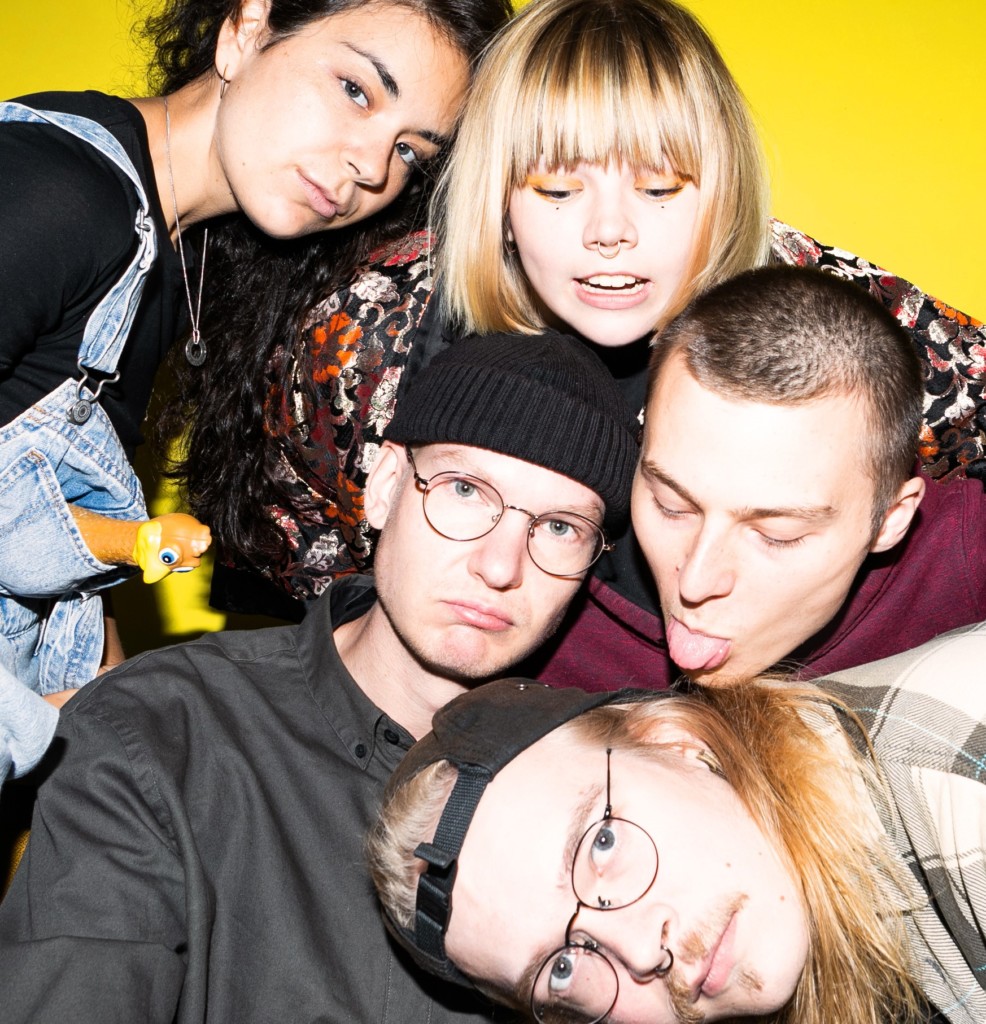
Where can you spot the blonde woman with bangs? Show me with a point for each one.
(606, 170)
(623, 119)
(801, 856)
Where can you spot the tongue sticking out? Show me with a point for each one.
(695, 651)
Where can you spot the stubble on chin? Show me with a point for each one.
(443, 659)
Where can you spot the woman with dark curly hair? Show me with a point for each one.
(276, 120)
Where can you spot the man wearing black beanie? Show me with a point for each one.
(197, 848)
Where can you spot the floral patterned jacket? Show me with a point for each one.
(366, 342)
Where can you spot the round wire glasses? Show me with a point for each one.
(463, 507)
(615, 864)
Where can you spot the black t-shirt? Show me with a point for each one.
(66, 225)
(625, 568)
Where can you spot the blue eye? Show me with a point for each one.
(169, 556)
(559, 528)
(604, 841)
(464, 489)
(562, 972)
(406, 152)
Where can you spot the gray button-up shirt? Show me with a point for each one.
(197, 848)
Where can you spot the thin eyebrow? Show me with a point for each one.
(393, 90)
(809, 513)
(580, 824)
(387, 80)
(581, 814)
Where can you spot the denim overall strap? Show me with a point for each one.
(109, 324)
(53, 456)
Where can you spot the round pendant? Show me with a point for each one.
(195, 351)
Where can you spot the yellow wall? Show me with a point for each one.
(874, 121)
(873, 116)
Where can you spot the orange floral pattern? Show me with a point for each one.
(357, 345)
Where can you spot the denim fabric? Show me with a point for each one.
(27, 724)
(51, 619)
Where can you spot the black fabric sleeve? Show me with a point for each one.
(66, 222)
(94, 927)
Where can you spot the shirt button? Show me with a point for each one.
(390, 736)
(360, 750)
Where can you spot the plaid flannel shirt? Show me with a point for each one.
(925, 712)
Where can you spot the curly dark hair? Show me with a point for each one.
(258, 290)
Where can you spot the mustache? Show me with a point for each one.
(680, 998)
(696, 947)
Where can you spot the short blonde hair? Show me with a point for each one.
(637, 82)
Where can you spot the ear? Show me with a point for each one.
(240, 36)
(690, 748)
(383, 484)
(897, 521)
(667, 733)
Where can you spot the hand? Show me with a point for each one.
(59, 698)
(170, 543)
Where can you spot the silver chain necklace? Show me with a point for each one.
(195, 350)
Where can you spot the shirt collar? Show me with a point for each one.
(361, 726)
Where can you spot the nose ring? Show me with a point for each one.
(609, 252)
(663, 972)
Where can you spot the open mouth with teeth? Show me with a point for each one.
(609, 284)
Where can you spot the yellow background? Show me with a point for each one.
(873, 116)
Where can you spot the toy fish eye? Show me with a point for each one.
(169, 556)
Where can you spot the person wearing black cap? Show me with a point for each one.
(761, 849)
(197, 847)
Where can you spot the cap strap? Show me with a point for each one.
(434, 902)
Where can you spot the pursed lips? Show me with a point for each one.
(321, 200)
(481, 615)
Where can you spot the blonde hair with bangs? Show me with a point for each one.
(636, 82)
(786, 755)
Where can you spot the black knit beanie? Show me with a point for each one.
(544, 398)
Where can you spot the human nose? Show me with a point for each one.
(610, 225)
(705, 570)
(637, 935)
(368, 161)
(499, 557)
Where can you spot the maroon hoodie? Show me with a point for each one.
(933, 581)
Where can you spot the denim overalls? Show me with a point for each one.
(64, 449)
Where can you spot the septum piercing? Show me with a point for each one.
(663, 972)
(609, 252)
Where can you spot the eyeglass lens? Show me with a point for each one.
(614, 865)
